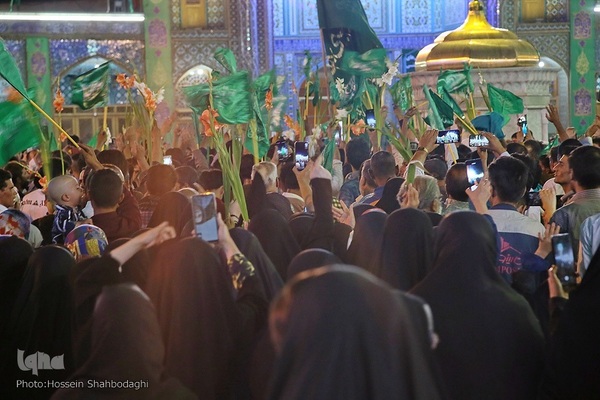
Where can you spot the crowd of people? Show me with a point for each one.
(380, 278)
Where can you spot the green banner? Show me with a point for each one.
(38, 71)
(19, 128)
(90, 89)
(583, 79)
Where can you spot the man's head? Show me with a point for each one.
(457, 182)
(383, 167)
(115, 157)
(268, 172)
(508, 178)
(8, 191)
(161, 179)
(366, 184)
(105, 190)
(186, 176)
(20, 175)
(288, 180)
(534, 148)
(584, 164)
(357, 151)
(562, 169)
(64, 190)
(211, 180)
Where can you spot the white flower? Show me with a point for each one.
(339, 85)
(389, 75)
(341, 114)
(316, 132)
(160, 95)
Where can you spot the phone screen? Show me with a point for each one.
(449, 136)
(478, 141)
(283, 151)
(474, 171)
(301, 155)
(533, 199)
(524, 128)
(370, 117)
(167, 160)
(564, 259)
(204, 211)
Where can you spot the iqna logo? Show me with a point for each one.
(38, 361)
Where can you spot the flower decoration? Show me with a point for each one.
(125, 81)
(151, 99)
(389, 75)
(59, 101)
(13, 95)
(341, 114)
(292, 124)
(269, 100)
(205, 120)
(358, 127)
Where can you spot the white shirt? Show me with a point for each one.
(589, 241)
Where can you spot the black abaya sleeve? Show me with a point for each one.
(321, 231)
(251, 299)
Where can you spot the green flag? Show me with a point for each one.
(9, 70)
(504, 102)
(370, 64)
(230, 97)
(447, 97)
(402, 93)
(19, 129)
(90, 89)
(345, 27)
(258, 127)
(226, 58)
(456, 81)
(328, 153)
(441, 115)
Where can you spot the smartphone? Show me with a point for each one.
(564, 259)
(204, 211)
(168, 160)
(370, 117)
(300, 155)
(337, 139)
(533, 199)
(478, 141)
(449, 136)
(283, 151)
(474, 171)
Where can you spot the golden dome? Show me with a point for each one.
(477, 43)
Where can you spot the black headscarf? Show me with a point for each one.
(573, 363)
(406, 249)
(342, 334)
(301, 225)
(310, 259)
(252, 249)
(175, 208)
(43, 324)
(126, 346)
(366, 241)
(200, 323)
(389, 202)
(491, 344)
(14, 253)
(276, 238)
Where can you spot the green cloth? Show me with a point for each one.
(328, 153)
(402, 93)
(447, 97)
(19, 129)
(226, 58)
(456, 81)
(344, 27)
(9, 70)
(504, 102)
(441, 115)
(370, 64)
(90, 89)
(491, 122)
(230, 98)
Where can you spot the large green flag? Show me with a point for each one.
(226, 58)
(230, 98)
(504, 102)
(90, 89)
(19, 129)
(370, 64)
(441, 115)
(345, 27)
(402, 93)
(260, 126)
(9, 70)
(456, 81)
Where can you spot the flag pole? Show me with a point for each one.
(56, 124)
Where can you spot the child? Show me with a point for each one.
(67, 195)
